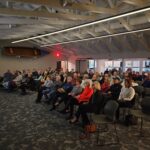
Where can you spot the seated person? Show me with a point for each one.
(61, 93)
(114, 75)
(54, 86)
(77, 89)
(80, 99)
(114, 91)
(27, 82)
(95, 77)
(15, 82)
(126, 97)
(7, 77)
(146, 82)
(48, 82)
(105, 83)
(94, 106)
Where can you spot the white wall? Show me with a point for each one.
(100, 65)
(14, 63)
(70, 64)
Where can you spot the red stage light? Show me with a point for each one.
(57, 54)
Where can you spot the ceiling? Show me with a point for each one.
(27, 18)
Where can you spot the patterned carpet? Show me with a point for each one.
(25, 125)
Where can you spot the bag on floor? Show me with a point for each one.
(90, 128)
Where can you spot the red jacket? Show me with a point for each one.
(105, 86)
(85, 95)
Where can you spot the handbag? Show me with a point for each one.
(91, 128)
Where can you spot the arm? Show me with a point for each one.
(85, 97)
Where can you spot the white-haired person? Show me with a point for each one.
(80, 99)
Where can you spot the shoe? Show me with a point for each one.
(64, 111)
(73, 121)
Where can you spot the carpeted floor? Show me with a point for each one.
(25, 125)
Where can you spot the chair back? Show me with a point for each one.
(136, 100)
(147, 92)
(139, 90)
(145, 104)
(110, 109)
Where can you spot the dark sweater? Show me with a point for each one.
(115, 91)
(97, 100)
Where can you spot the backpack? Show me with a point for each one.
(130, 120)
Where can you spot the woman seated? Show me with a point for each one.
(80, 99)
(77, 89)
(105, 83)
(126, 97)
(95, 105)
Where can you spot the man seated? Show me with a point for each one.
(77, 89)
(114, 91)
(146, 82)
(15, 82)
(61, 93)
(7, 77)
(48, 93)
(47, 84)
(27, 82)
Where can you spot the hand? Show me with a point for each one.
(109, 92)
(77, 97)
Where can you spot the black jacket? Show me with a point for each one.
(115, 91)
(97, 101)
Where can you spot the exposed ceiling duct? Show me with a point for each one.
(21, 19)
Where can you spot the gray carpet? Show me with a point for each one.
(25, 125)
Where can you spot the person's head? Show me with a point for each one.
(128, 83)
(114, 72)
(126, 75)
(69, 79)
(96, 85)
(116, 80)
(86, 83)
(94, 77)
(78, 74)
(58, 78)
(78, 81)
(75, 75)
(85, 76)
(106, 76)
(48, 77)
(8, 71)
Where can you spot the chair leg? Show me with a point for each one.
(117, 137)
(97, 139)
(141, 127)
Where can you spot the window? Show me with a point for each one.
(146, 64)
(136, 63)
(92, 64)
(108, 64)
(117, 64)
(128, 64)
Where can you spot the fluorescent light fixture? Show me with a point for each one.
(99, 37)
(86, 24)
